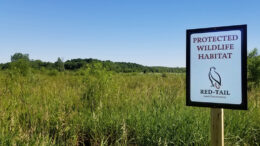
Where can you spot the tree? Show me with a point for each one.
(59, 64)
(21, 66)
(20, 63)
(18, 56)
(36, 64)
(254, 67)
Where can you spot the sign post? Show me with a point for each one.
(216, 76)
(217, 127)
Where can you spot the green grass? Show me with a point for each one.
(103, 108)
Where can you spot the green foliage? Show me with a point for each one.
(253, 68)
(18, 56)
(59, 65)
(124, 67)
(78, 64)
(97, 104)
(21, 66)
(94, 106)
(53, 72)
(37, 64)
(96, 81)
(164, 75)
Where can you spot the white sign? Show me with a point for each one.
(216, 66)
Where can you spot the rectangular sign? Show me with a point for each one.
(216, 60)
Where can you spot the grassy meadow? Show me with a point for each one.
(97, 107)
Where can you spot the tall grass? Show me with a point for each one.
(95, 107)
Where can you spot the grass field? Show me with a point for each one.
(95, 107)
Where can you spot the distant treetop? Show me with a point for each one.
(18, 56)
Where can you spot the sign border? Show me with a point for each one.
(243, 29)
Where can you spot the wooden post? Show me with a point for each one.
(217, 127)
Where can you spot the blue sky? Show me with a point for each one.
(148, 32)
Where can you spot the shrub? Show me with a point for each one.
(21, 66)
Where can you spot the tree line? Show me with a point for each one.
(21, 63)
(76, 64)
